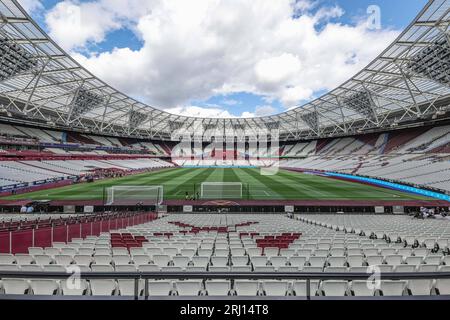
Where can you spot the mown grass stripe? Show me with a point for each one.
(304, 184)
(284, 185)
(259, 188)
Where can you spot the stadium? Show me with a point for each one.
(310, 203)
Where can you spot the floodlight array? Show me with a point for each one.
(362, 103)
(311, 119)
(137, 118)
(85, 101)
(14, 59)
(433, 62)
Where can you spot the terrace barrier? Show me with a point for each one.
(20, 240)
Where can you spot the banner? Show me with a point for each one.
(43, 237)
(289, 209)
(73, 231)
(21, 185)
(379, 209)
(21, 240)
(59, 234)
(96, 228)
(4, 242)
(86, 229)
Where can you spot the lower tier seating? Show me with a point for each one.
(242, 243)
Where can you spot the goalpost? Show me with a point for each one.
(221, 190)
(132, 195)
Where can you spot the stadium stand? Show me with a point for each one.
(30, 171)
(190, 243)
(411, 161)
(345, 196)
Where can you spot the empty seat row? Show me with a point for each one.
(225, 287)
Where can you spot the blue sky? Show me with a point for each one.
(235, 92)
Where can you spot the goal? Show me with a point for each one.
(221, 190)
(132, 195)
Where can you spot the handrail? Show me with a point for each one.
(308, 276)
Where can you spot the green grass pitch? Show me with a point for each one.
(284, 185)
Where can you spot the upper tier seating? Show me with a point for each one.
(13, 172)
(426, 170)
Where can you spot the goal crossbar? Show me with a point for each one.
(221, 190)
(130, 195)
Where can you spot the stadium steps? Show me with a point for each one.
(357, 168)
(25, 170)
(79, 138)
(287, 148)
(166, 148)
(398, 139)
(322, 143)
(42, 168)
(63, 167)
(441, 149)
(336, 152)
(424, 146)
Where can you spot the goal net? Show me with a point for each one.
(221, 190)
(132, 195)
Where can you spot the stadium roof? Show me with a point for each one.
(409, 81)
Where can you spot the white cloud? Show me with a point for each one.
(327, 13)
(73, 25)
(274, 71)
(193, 50)
(231, 102)
(247, 114)
(194, 111)
(291, 96)
(31, 6)
(301, 6)
(219, 112)
(261, 111)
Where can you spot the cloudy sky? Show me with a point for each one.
(224, 58)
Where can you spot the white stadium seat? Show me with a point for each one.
(217, 287)
(246, 288)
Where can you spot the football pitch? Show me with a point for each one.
(285, 185)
